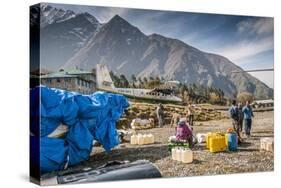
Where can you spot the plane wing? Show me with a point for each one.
(160, 90)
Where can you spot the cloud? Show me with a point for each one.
(266, 77)
(247, 48)
(256, 26)
(156, 22)
(105, 14)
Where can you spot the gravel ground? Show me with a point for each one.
(248, 158)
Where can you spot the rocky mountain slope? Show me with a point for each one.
(79, 42)
(124, 47)
(63, 33)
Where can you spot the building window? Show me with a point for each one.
(67, 79)
(78, 81)
(49, 81)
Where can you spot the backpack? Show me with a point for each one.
(233, 112)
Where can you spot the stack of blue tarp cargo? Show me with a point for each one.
(88, 117)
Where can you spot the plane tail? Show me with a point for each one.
(104, 80)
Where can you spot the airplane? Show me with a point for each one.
(105, 83)
(253, 70)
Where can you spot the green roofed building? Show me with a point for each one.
(72, 80)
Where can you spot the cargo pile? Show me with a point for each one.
(201, 112)
(138, 124)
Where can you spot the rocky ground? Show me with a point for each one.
(248, 158)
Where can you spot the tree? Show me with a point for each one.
(116, 80)
(145, 80)
(134, 80)
(153, 84)
(245, 96)
(158, 79)
(140, 82)
(124, 81)
(214, 98)
(183, 90)
(151, 78)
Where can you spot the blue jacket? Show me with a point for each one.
(247, 112)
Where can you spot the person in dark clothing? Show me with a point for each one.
(240, 119)
(234, 115)
(248, 114)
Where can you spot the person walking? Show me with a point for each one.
(240, 119)
(160, 114)
(190, 115)
(234, 115)
(175, 119)
(248, 114)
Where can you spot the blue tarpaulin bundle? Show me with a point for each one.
(88, 117)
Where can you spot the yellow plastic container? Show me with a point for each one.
(217, 143)
(226, 139)
(208, 137)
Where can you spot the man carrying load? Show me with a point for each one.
(190, 114)
(160, 115)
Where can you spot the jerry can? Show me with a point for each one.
(267, 144)
(140, 139)
(208, 137)
(232, 141)
(134, 139)
(174, 154)
(186, 156)
(270, 147)
(178, 154)
(151, 138)
(217, 144)
(145, 139)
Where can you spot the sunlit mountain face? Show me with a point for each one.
(72, 38)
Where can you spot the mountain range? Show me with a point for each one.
(71, 40)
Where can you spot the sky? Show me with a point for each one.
(245, 40)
